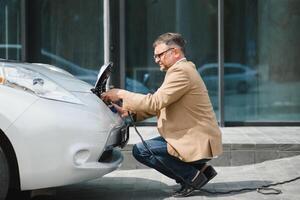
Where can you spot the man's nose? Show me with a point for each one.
(157, 60)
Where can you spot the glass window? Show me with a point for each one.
(213, 71)
(68, 34)
(233, 70)
(262, 39)
(10, 26)
(146, 20)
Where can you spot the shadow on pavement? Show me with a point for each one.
(115, 188)
(141, 188)
(216, 189)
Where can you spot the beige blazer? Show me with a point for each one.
(185, 115)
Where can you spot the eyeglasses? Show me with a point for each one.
(159, 55)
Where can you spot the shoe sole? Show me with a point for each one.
(184, 194)
(208, 174)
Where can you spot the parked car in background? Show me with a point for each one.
(53, 130)
(136, 86)
(90, 75)
(237, 77)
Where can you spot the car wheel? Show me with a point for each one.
(4, 175)
(242, 87)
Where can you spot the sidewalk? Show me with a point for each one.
(242, 145)
(145, 184)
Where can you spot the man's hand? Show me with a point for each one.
(121, 111)
(111, 95)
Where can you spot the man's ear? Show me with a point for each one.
(178, 53)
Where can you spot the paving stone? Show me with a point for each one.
(242, 157)
(289, 147)
(266, 146)
(244, 146)
(261, 156)
(283, 154)
(223, 160)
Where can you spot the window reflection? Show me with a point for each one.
(68, 34)
(238, 78)
(262, 45)
(10, 34)
(264, 36)
(145, 20)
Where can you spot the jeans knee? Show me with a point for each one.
(136, 152)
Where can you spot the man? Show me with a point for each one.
(189, 133)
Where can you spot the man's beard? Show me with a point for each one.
(163, 68)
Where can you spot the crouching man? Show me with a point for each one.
(189, 133)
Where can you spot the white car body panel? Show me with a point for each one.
(9, 97)
(58, 143)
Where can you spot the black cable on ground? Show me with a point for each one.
(264, 189)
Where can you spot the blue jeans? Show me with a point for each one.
(172, 167)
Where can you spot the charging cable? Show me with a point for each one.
(264, 189)
(151, 152)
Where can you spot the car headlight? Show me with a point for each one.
(34, 82)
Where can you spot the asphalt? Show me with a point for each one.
(145, 184)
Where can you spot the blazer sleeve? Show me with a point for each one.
(140, 116)
(175, 85)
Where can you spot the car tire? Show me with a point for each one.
(4, 175)
(242, 87)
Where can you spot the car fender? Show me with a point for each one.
(47, 137)
(12, 106)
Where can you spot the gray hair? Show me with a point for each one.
(171, 39)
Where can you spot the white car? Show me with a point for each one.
(53, 130)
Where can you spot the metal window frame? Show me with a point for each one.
(122, 38)
(221, 62)
(106, 35)
(106, 30)
(24, 25)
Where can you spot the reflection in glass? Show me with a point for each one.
(10, 34)
(68, 34)
(146, 20)
(264, 36)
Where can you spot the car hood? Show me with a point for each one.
(60, 77)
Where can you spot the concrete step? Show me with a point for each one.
(241, 145)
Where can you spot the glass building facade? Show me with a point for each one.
(254, 43)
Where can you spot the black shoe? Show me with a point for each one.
(185, 192)
(197, 182)
(209, 173)
(182, 187)
(205, 175)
